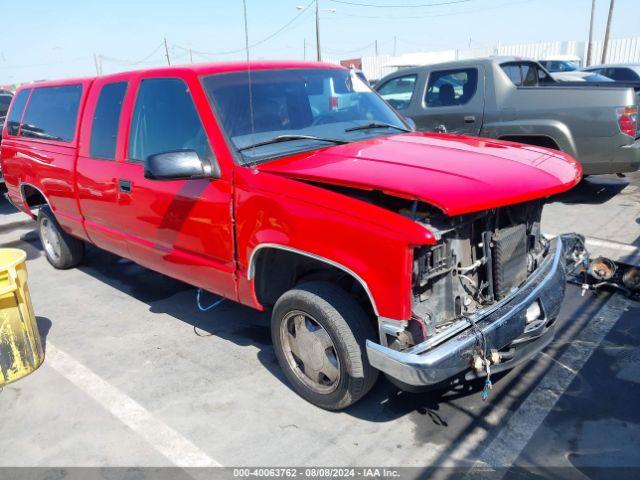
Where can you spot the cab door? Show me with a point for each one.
(101, 149)
(452, 101)
(178, 227)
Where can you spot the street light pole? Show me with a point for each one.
(318, 53)
(317, 8)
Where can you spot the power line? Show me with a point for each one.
(436, 15)
(352, 50)
(377, 5)
(259, 42)
(129, 62)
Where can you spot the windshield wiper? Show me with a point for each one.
(289, 138)
(369, 126)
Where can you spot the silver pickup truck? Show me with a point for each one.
(516, 99)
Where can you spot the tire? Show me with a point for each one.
(61, 249)
(324, 305)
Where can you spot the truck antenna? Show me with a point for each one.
(246, 43)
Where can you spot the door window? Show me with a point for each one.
(165, 119)
(52, 113)
(399, 91)
(451, 87)
(15, 114)
(104, 130)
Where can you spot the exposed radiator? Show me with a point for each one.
(509, 259)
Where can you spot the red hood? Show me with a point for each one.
(454, 173)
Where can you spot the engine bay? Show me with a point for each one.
(480, 259)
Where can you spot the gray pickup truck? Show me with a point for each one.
(516, 99)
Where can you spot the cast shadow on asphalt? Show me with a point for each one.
(29, 242)
(593, 191)
(5, 207)
(44, 325)
(247, 327)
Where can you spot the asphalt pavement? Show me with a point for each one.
(136, 375)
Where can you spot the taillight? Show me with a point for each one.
(628, 120)
(333, 103)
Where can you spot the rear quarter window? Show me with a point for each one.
(52, 113)
(15, 114)
(526, 74)
(624, 75)
(104, 129)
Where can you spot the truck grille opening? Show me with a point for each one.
(480, 259)
(509, 259)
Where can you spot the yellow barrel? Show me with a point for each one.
(20, 346)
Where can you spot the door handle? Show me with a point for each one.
(470, 119)
(124, 186)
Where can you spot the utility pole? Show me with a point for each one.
(395, 45)
(304, 49)
(318, 54)
(166, 51)
(590, 44)
(95, 60)
(191, 55)
(376, 46)
(605, 47)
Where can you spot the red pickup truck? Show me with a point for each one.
(294, 188)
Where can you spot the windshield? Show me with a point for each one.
(295, 110)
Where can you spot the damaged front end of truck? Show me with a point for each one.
(486, 284)
(485, 297)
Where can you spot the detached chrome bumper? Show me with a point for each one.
(449, 353)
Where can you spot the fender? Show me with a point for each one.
(251, 267)
(25, 206)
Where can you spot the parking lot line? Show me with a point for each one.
(513, 437)
(172, 445)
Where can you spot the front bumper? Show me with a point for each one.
(449, 354)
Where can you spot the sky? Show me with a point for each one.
(48, 39)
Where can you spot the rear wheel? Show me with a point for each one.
(319, 333)
(61, 249)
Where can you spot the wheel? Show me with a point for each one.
(61, 249)
(319, 334)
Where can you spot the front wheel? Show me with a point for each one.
(319, 333)
(61, 249)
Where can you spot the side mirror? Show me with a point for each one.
(176, 165)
